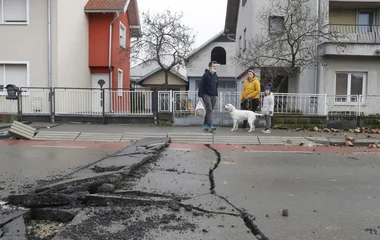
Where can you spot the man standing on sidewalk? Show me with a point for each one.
(208, 93)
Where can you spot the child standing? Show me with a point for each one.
(267, 108)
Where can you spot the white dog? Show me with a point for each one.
(237, 115)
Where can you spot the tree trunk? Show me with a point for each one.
(166, 80)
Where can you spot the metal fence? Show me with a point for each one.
(356, 33)
(131, 102)
(182, 103)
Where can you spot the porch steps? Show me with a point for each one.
(249, 140)
(202, 138)
(99, 137)
(127, 137)
(56, 136)
(22, 131)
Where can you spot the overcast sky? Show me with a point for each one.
(206, 17)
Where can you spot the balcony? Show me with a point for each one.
(356, 33)
(359, 40)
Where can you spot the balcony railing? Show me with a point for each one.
(356, 33)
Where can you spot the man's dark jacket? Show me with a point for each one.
(208, 85)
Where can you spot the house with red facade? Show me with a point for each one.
(112, 24)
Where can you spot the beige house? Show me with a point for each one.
(149, 76)
(156, 80)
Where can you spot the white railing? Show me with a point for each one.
(369, 105)
(127, 102)
(78, 102)
(7, 106)
(120, 102)
(90, 102)
(165, 101)
(35, 101)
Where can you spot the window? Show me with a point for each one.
(245, 39)
(120, 82)
(123, 36)
(243, 2)
(14, 11)
(276, 24)
(16, 74)
(349, 84)
(365, 20)
(218, 54)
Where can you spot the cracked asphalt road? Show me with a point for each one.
(174, 196)
(327, 195)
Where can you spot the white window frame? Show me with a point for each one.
(349, 76)
(18, 63)
(123, 35)
(120, 82)
(13, 23)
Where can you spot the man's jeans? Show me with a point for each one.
(209, 104)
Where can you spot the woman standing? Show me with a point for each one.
(250, 96)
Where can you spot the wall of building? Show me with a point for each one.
(72, 44)
(158, 79)
(199, 62)
(120, 56)
(28, 43)
(342, 16)
(346, 64)
(99, 25)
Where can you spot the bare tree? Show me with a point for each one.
(288, 42)
(165, 40)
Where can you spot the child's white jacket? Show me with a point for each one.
(268, 104)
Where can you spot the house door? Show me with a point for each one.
(97, 80)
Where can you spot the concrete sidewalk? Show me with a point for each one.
(223, 135)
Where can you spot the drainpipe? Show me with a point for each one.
(49, 60)
(49, 43)
(316, 84)
(110, 57)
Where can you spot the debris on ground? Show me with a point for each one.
(285, 213)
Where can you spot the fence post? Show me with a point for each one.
(19, 105)
(102, 103)
(155, 105)
(325, 108)
(171, 101)
(52, 104)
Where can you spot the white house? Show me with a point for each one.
(221, 49)
(353, 71)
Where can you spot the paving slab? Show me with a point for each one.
(8, 215)
(270, 140)
(99, 137)
(248, 140)
(56, 136)
(127, 137)
(298, 141)
(320, 140)
(203, 138)
(22, 131)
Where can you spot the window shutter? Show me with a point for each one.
(14, 10)
(16, 74)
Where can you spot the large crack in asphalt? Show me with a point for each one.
(243, 214)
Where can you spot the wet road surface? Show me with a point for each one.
(327, 195)
(24, 163)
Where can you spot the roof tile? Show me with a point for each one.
(107, 5)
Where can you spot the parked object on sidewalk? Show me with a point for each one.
(22, 131)
(200, 110)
